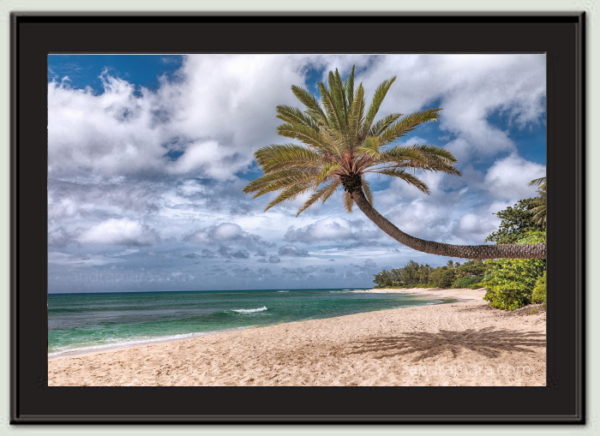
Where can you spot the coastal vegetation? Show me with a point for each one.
(510, 282)
(415, 275)
(342, 143)
(539, 209)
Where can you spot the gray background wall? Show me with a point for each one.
(593, 203)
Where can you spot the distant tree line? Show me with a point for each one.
(415, 275)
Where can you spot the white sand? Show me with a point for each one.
(466, 343)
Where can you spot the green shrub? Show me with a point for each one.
(442, 277)
(510, 282)
(467, 282)
(538, 295)
(424, 285)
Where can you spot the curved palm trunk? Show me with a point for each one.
(511, 251)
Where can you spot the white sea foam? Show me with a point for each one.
(283, 291)
(258, 309)
(117, 343)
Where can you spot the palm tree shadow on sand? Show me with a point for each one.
(486, 341)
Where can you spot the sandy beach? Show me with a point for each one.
(465, 343)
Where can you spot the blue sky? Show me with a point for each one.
(148, 155)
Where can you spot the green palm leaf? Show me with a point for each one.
(407, 124)
(380, 126)
(310, 102)
(357, 108)
(370, 147)
(408, 178)
(304, 134)
(277, 157)
(288, 194)
(378, 97)
(425, 157)
(350, 87)
(292, 115)
(333, 114)
(279, 180)
(338, 96)
(322, 193)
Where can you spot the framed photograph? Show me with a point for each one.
(297, 218)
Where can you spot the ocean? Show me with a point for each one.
(89, 322)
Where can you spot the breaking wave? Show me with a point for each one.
(258, 309)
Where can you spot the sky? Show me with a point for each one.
(148, 155)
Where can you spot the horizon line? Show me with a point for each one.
(211, 290)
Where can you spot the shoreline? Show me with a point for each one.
(457, 293)
(91, 349)
(462, 343)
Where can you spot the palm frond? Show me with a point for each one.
(378, 97)
(424, 157)
(350, 87)
(539, 215)
(408, 178)
(540, 210)
(320, 193)
(304, 134)
(437, 152)
(309, 101)
(293, 115)
(288, 194)
(356, 114)
(370, 147)
(331, 188)
(336, 140)
(333, 115)
(406, 124)
(280, 156)
(327, 171)
(383, 124)
(279, 180)
(540, 181)
(336, 89)
(348, 201)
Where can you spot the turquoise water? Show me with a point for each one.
(96, 321)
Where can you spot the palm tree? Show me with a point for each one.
(539, 211)
(342, 143)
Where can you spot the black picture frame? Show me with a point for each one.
(560, 35)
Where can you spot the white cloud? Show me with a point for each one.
(223, 232)
(112, 133)
(120, 232)
(74, 260)
(227, 231)
(292, 250)
(508, 178)
(332, 229)
(131, 166)
(221, 109)
(474, 226)
(229, 240)
(209, 159)
(469, 88)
